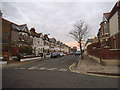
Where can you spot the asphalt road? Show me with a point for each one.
(52, 73)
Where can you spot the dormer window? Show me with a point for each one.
(105, 27)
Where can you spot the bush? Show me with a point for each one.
(25, 49)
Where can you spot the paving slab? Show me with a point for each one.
(89, 65)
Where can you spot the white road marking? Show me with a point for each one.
(22, 68)
(62, 69)
(45, 68)
(51, 69)
(42, 68)
(32, 67)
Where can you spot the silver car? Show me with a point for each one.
(78, 53)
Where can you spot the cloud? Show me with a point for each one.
(56, 18)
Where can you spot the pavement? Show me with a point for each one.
(89, 65)
(13, 63)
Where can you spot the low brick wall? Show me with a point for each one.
(102, 53)
(106, 62)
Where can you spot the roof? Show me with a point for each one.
(45, 36)
(106, 15)
(115, 9)
(16, 26)
(102, 22)
(7, 20)
(52, 40)
(34, 33)
(32, 29)
(19, 27)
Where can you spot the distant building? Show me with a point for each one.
(52, 44)
(38, 42)
(46, 44)
(68, 49)
(90, 41)
(73, 49)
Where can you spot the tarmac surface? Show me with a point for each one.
(51, 73)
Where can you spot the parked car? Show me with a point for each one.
(1, 58)
(1, 61)
(72, 53)
(61, 54)
(68, 54)
(54, 54)
(48, 55)
(23, 55)
(41, 55)
(77, 53)
(5, 58)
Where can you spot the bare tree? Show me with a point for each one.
(79, 32)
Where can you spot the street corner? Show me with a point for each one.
(73, 68)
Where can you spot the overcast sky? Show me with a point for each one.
(56, 18)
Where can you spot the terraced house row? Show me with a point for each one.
(18, 39)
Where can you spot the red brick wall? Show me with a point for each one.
(111, 43)
(14, 51)
(102, 52)
(117, 39)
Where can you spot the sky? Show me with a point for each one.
(57, 18)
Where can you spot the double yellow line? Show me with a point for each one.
(71, 68)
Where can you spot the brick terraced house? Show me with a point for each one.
(107, 49)
(18, 39)
(38, 42)
(15, 38)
